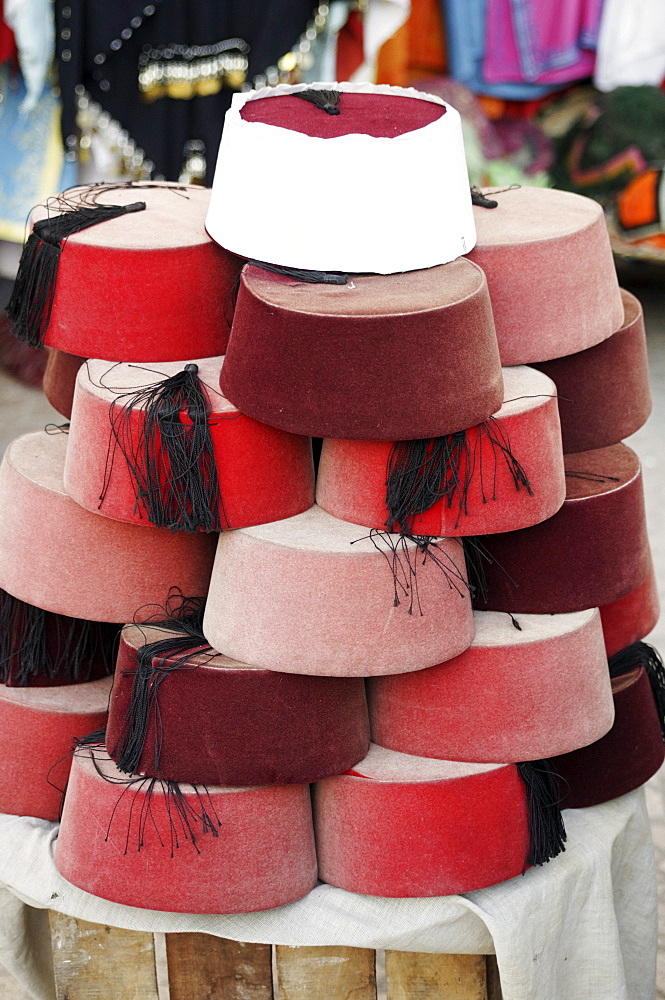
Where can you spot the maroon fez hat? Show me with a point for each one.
(41, 649)
(625, 758)
(604, 393)
(184, 712)
(382, 357)
(594, 550)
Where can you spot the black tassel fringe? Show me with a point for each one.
(547, 833)
(327, 100)
(404, 560)
(591, 477)
(29, 308)
(312, 277)
(477, 557)
(24, 646)
(156, 661)
(641, 654)
(481, 200)
(189, 814)
(172, 462)
(421, 472)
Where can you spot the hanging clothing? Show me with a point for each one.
(31, 157)
(7, 40)
(101, 49)
(631, 44)
(538, 42)
(32, 24)
(466, 37)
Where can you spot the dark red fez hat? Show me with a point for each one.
(604, 393)
(379, 358)
(195, 715)
(594, 550)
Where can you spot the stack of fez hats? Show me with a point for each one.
(452, 550)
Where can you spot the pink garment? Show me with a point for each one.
(540, 42)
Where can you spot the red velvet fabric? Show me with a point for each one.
(351, 481)
(37, 729)
(60, 379)
(264, 474)
(593, 551)
(381, 115)
(261, 855)
(511, 696)
(625, 758)
(159, 305)
(7, 40)
(422, 838)
(604, 393)
(147, 286)
(226, 723)
(632, 617)
(383, 358)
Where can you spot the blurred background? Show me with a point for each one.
(567, 94)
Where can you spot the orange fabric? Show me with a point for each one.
(416, 49)
(638, 202)
(393, 63)
(494, 107)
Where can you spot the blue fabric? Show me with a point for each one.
(465, 36)
(32, 165)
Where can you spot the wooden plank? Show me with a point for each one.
(493, 981)
(203, 967)
(95, 962)
(415, 976)
(325, 973)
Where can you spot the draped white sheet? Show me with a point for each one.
(583, 926)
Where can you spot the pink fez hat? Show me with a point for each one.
(183, 848)
(550, 273)
(60, 557)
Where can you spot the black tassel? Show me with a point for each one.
(187, 813)
(424, 471)
(327, 100)
(156, 661)
(547, 834)
(476, 557)
(96, 739)
(592, 477)
(172, 461)
(641, 654)
(478, 198)
(24, 646)
(312, 277)
(29, 308)
(404, 560)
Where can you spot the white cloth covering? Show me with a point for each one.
(631, 44)
(582, 926)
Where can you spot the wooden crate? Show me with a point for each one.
(95, 962)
